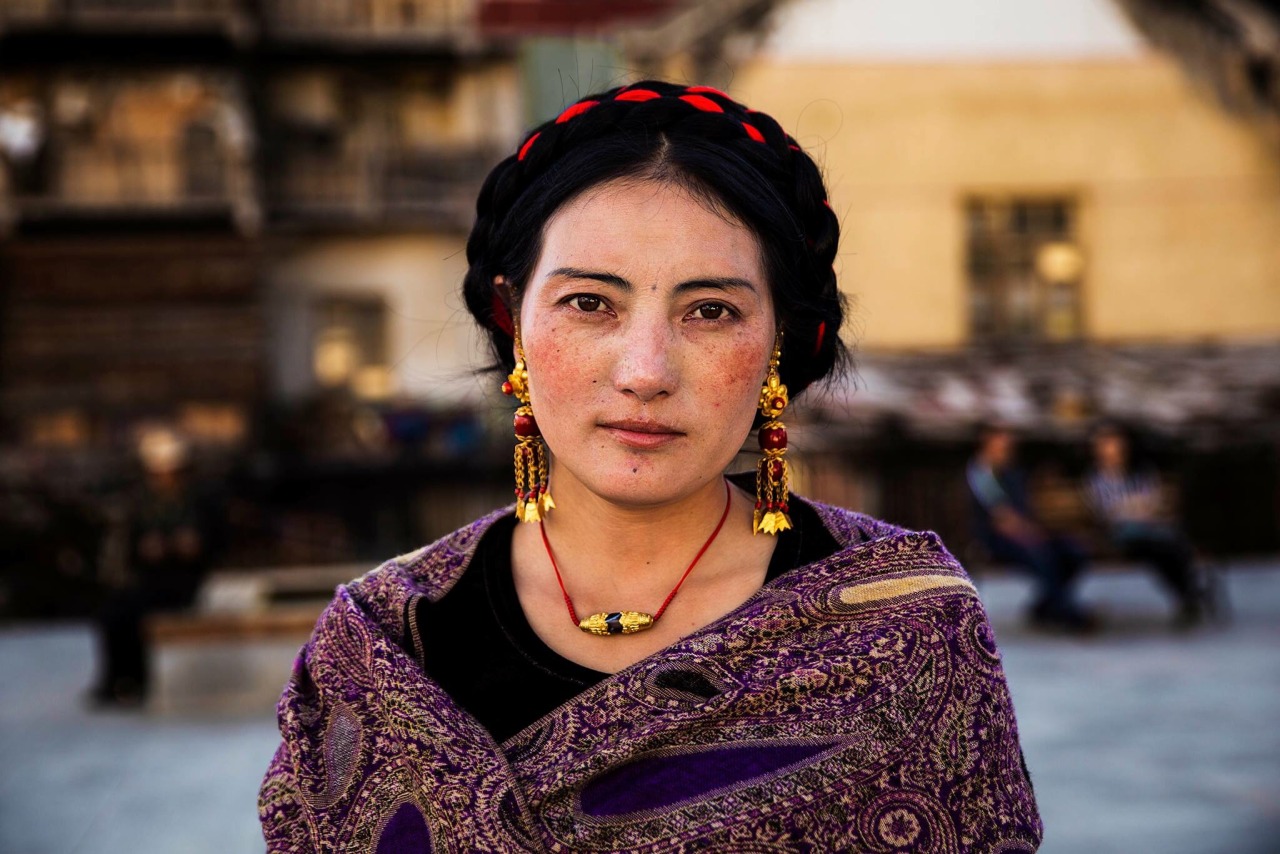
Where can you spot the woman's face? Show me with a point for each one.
(647, 327)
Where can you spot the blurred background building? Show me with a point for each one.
(246, 219)
(1053, 212)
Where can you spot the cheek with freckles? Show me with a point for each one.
(565, 373)
(729, 378)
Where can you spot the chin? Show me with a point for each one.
(645, 484)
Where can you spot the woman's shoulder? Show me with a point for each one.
(880, 544)
(385, 591)
(888, 574)
(434, 568)
(850, 527)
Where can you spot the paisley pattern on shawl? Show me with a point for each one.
(855, 704)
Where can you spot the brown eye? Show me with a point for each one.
(584, 302)
(710, 311)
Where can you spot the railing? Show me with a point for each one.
(389, 19)
(436, 186)
(123, 14)
(30, 11)
(127, 176)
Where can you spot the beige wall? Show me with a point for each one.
(1179, 203)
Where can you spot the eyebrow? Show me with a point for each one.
(719, 283)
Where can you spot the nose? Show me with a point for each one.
(646, 365)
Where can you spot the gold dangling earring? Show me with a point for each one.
(533, 498)
(771, 472)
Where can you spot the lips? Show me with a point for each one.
(643, 434)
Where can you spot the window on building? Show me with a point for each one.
(349, 345)
(1024, 266)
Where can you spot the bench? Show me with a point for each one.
(1060, 506)
(234, 648)
(254, 603)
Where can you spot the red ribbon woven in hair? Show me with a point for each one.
(822, 331)
(502, 317)
(702, 103)
(637, 95)
(524, 149)
(575, 110)
(753, 132)
(707, 90)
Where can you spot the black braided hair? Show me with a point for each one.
(738, 159)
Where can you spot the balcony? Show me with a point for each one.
(131, 17)
(379, 186)
(131, 180)
(373, 23)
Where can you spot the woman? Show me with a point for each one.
(657, 659)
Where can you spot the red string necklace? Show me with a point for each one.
(629, 622)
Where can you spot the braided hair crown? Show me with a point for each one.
(697, 137)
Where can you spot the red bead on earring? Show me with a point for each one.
(771, 472)
(533, 496)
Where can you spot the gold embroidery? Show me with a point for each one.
(892, 588)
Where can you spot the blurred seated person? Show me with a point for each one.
(170, 539)
(1007, 528)
(1129, 503)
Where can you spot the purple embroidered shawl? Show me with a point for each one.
(855, 704)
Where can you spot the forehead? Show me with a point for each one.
(650, 228)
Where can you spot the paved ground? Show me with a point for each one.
(1145, 740)
(1140, 740)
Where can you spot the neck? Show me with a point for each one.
(604, 548)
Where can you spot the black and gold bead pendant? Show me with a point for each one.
(616, 623)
